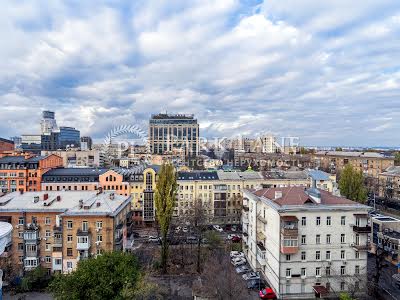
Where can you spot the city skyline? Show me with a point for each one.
(324, 72)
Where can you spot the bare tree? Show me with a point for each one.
(220, 280)
(381, 254)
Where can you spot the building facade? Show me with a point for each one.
(6, 145)
(169, 133)
(24, 173)
(369, 163)
(306, 242)
(78, 158)
(389, 183)
(57, 229)
(69, 137)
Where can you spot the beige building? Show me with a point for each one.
(389, 183)
(369, 163)
(56, 229)
(73, 158)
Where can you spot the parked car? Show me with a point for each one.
(185, 229)
(218, 228)
(231, 236)
(238, 261)
(256, 284)
(135, 234)
(267, 293)
(243, 269)
(236, 254)
(178, 229)
(154, 239)
(250, 276)
(236, 239)
(234, 228)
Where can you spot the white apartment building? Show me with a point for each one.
(268, 144)
(306, 242)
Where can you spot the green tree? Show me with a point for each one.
(351, 184)
(397, 159)
(35, 280)
(103, 277)
(165, 195)
(345, 296)
(338, 149)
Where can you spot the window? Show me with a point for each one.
(20, 247)
(303, 221)
(342, 286)
(85, 225)
(318, 239)
(48, 259)
(318, 272)
(69, 238)
(20, 221)
(328, 221)
(318, 221)
(343, 220)
(288, 273)
(357, 270)
(47, 221)
(48, 247)
(328, 271)
(303, 255)
(48, 233)
(20, 234)
(58, 261)
(342, 238)
(328, 255)
(328, 238)
(99, 224)
(100, 238)
(318, 255)
(357, 255)
(303, 239)
(342, 254)
(342, 270)
(69, 225)
(69, 252)
(303, 272)
(98, 251)
(69, 264)
(290, 242)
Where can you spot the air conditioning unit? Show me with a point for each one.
(45, 239)
(98, 229)
(17, 226)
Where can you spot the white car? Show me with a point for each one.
(236, 254)
(250, 276)
(154, 239)
(234, 228)
(238, 261)
(177, 229)
(218, 228)
(243, 269)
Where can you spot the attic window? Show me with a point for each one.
(308, 201)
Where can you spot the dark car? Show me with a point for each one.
(256, 284)
(135, 234)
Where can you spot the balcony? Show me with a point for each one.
(365, 247)
(57, 242)
(261, 254)
(57, 229)
(83, 240)
(289, 231)
(362, 229)
(31, 237)
(57, 264)
(245, 218)
(290, 245)
(30, 263)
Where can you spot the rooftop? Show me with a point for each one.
(172, 116)
(198, 175)
(20, 159)
(6, 141)
(318, 175)
(279, 174)
(235, 175)
(67, 202)
(392, 171)
(353, 154)
(288, 196)
(75, 172)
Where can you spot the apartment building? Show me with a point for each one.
(389, 183)
(6, 145)
(306, 242)
(386, 235)
(72, 179)
(24, 173)
(174, 132)
(267, 161)
(370, 163)
(73, 158)
(56, 229)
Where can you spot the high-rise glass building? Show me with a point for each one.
(48, 123)
(169, 133)
(69, 136)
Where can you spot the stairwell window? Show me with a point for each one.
(343, 220)
(342, 238)
(328, 238)
(288, 273)
(318, 221)
(328, 221)
(303, 221)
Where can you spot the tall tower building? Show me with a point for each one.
(174, 133)
(48, 123)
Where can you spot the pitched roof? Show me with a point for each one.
(300, 196)
(198, 175)
(75, 172)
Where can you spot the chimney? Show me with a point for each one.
(278, 194)
(112, 196)
(45, 197)
(80, 203)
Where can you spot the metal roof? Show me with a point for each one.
(198, 175)
(75, 172)
(318, 175)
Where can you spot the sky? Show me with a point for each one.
(327, 72)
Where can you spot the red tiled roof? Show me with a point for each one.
(299, 196)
